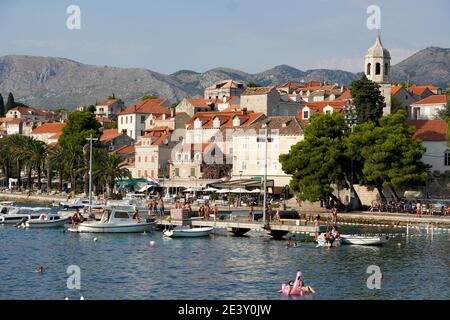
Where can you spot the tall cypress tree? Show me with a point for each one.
(10, 104)
(2, 106)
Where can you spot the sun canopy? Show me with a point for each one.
(211, 189)
(255, 191)
(239, 190)
(223, 191)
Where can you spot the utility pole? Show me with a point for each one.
(265, 176)
(90, 139)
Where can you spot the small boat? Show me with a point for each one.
(188, 232)
(115, 220)
(322, 242)
(15, 215)
(79, 203)
(47, 221)
(364, 240)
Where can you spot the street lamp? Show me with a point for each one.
(350, 118)
(90, 139)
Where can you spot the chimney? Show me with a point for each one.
(244, 111)
(172, 112)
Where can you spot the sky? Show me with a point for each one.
(250, 35)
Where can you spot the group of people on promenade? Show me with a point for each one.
(156, 206)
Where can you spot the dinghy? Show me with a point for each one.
(47, 221)
(364, 240)
(188, 232)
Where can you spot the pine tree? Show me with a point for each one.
(2, 106)
(368, 100)
(10, 104)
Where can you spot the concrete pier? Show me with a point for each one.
(239, 228)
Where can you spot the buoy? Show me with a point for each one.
(66, 298)
(152, 243)
(82, 298)
(95, 239)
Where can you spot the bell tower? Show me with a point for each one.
(377, 67)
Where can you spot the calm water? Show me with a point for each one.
(220, 267)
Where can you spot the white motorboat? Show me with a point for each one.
(79, 203)
(47, 221)
(364, 240)
(188, 232)
(115, 220)
(15, 215)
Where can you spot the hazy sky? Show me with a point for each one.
(250, 35)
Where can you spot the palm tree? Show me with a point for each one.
(36, 156)
(109, 169)
(17, 148)
(73, 156)
(55, 160)
(5, 158)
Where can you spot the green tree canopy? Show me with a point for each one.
(444, 113)
(80, 125)
(10, 103)
(317, 162)
(253, 85)
(368, 100)
(2, 106)
(389, 156)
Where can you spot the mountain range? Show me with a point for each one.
(58, 82)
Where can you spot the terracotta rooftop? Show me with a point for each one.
(257, 91)
(226, 84)
(109, 134)
(434, 99)
(107, 102)
(148, 106)
(419, 89)
(226, 119)
(126, 149)
(430, 130)
(49, 128)
(286, 125)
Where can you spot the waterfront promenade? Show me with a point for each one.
(363, 217)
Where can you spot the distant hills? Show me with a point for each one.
(59, 82)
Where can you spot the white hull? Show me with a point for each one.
(363, 240)
(188, 233)
(14, 219)
(46, 224)
(96, 227)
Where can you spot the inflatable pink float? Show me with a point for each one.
(295, 290)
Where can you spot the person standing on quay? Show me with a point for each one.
(334, 216)
(317, 226)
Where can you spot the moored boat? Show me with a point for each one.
(47, 221)
(364, 240)
(14, 215)
(188, 232)
(115, 220)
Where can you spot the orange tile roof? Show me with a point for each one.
(56, 136)
(419, 89)
(126, 149)
(430, 130)
(148, 106)
(346, 95)
(434, 99)
(257, 91)
(109, 134)
(103, 120)
(107, 102)
(226, 118)
(161, 128)
(200, 102)
(49, 128)
(395, 89)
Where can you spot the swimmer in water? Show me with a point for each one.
(40, 269)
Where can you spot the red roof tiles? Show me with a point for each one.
(430, 130)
